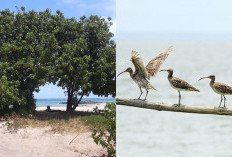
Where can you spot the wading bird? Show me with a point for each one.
(219, 88)
(142, 74)
(178, 84)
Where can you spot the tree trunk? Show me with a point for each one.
(69, 102)
(69, 105)
(74, 107)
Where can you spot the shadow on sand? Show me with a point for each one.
(58, 114)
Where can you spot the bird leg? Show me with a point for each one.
(220, 101)
(146, 95)
(224, 100)
(179, 99)
(140, 93)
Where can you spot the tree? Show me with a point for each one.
(28, 46)
(73, 73)
(87, 59)
(40, 47)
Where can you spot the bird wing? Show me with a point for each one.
(154, 65)
(138, 63)
(223, 88)
(178, 83)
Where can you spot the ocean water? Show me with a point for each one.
(145, 133)
(58, 102)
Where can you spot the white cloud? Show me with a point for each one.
(113, 27)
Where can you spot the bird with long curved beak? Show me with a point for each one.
(142, 74)
(178, 84)
(219, 88)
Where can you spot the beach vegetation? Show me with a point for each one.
(107, 136)
(59, 122)
(10, 126)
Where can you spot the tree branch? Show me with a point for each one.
(171, 107)
(75, 105)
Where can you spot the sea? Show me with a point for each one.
(151, 133)
(60, 102)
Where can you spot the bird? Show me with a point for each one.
(178, 84)
(219, 88)
(142, 74)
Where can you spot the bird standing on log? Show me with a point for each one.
(178, 84)
(219, 88)
(142, 74)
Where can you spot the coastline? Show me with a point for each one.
(89, 108)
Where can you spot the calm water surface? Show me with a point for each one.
(142, 132)
(58, 102)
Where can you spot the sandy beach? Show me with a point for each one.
(88, 108)
(33, 142)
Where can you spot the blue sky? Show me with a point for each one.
(70, 8)
(174, 20)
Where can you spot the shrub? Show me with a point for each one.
(107, 137)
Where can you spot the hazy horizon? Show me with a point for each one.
(174, 20)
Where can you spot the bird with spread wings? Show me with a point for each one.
(142, 74)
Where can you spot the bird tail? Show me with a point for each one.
(194, 89)
(152, 87)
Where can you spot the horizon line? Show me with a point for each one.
(82, 98)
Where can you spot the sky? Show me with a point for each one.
(70, 8)
(174, 20)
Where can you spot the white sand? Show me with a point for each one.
(34, 142)
(37, 142)
(89, 108)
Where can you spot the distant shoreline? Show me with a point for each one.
(89, 108)
(82, 102)
(62, 102)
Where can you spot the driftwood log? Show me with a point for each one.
(171, 107)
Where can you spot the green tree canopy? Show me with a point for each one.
(103, 55)
(39, 47)
(8, 89)
(87, 59)
(28, 46)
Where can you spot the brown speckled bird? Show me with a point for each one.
(142, 74)
(219, 88)
(178, 84)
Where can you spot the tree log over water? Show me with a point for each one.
(171, 107)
